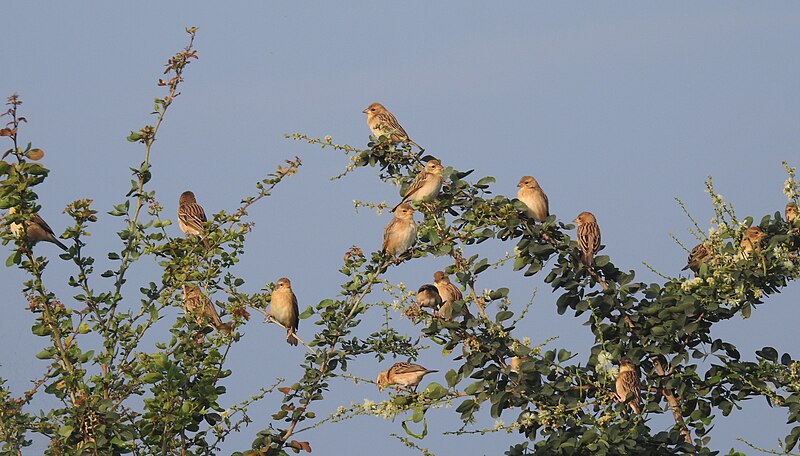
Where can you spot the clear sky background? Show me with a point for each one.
(614, 108)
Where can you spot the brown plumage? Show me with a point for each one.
(427, 184)
(196, 305)
(381, 122)
(402, 374)
(751, 240)
(36, 230)
(588, 234)
(791, 212)
(283, 308)
(191, 217)
(401, 233)
(697, 257)
(450, 294)
(428, 296)
(628, 383)
(534, 197)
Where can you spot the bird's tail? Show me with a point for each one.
(418, 146)
(55, 241)
(225, 328)
(290, 338)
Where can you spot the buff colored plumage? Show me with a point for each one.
(697, 257)
(381, 122)
(427, 184)
(791, 212)
(402, 374)
(588, 234)
(401, 233)
(449, 293)
(196, 305)
(283, 308)
(36, 230)
(534, 198)
(428, 296)
(751, 240)
(191, 217)
(628, 383)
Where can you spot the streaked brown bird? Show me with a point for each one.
(428, 296)
(383, 123)
(751, 240)
(36, 230)
(697, 257)
(191, 217)
(588, 237)
(427, 184)
(534, 197)
(198, 306)
(628, 383)
(401, 233)
(791, 212)
(449, 293)
(402, 374)
(283, 308)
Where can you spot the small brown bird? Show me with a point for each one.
(534, 197)
(449, 293)
(382, 123)
(403, 374)
(697, 257)
(401, 233)
(628, 383)
(283, 308)
(516, 363)
(428, 296)
(427, 184)
(791, 212)
(195, 304)
(36, 230)
(588, 237)
(751, 240)
(191, 217)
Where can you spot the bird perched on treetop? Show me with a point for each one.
(36, 229)
(401, 233)
(191, 217)
(427, 184)
(382, 123)
(588, 237)
(403, 374)
(202, 309)
(628, 383)
(534, 197)
(697, 257)
(751, 240)
(428, 296)
(791, 212)
(283, 308)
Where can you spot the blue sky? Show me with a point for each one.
(614, 108)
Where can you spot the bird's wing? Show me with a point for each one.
(388, 232)
(389, 122)
(192, 214)
(40, 221)
(296, 312)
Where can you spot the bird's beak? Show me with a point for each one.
(519, 185)
(575, 221)
(365, 110)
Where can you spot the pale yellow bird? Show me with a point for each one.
(36, 230)
(401, 233)
(427, 184)
(381, 122)
(402, 374)
(588, 234)
(283, 308)
(198, 306)
(428, 296)
(751, 240)
(791, 212)
(534, 198)
(697, 257)
(450, 294)
(628, 383)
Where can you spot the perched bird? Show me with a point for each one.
(195, 304)
(751, 240)
(449, 293)
(427, 184)
(791, 212)
(428, 296)
(697, 257)
(403, 374)
(533, 196)
(283, 308)
(191, 217)
(382, 123)
(401, 233)
(628, 383)
(588, 237)
(516, 363)
(36, 229)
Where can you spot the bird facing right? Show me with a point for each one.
(401, 233)
(588, 234)
(751, 240)
(791, 212)
(381, 122)
(283, 308)
(36, 230)
(402, 374)
(628, 383)
(534, 198)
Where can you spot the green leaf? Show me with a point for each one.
(307, 313)
(14, 258)
(452, 378)
(65, 430)
(503, 315)
(435, 391)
